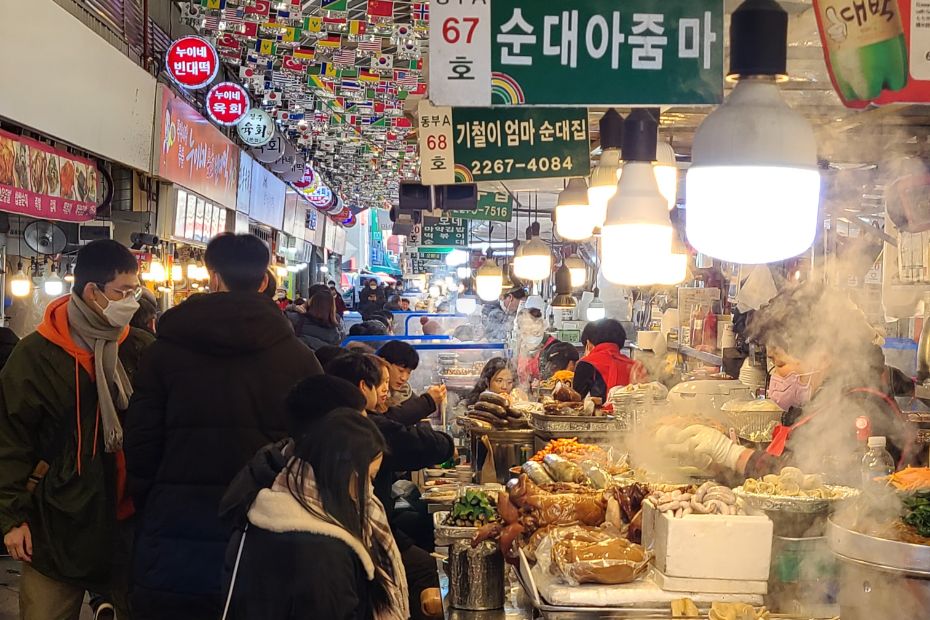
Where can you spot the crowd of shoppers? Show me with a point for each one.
(212, 468)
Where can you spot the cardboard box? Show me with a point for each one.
(709, 546)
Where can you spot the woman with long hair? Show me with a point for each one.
(318, 543)
(497, 376)
(317, 325)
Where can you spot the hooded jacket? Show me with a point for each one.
(313, 333)
(296, 566)
(209, 393)
(48, 412)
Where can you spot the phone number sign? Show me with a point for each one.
(492, 207)
(469, 145)
(444, 231)
(528, 52)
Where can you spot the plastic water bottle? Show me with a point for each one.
(876, 463)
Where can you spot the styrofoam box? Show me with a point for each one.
(737, 547)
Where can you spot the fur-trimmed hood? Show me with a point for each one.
(279, 512)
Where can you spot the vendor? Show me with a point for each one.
(497, 376)
(604, 367)
(530, 341)
(826, 371)
(498, 317)
(559, 357)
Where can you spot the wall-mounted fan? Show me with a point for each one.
(45, 237)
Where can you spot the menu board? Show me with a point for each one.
(180, 213)
(191, 216)
(198, 220)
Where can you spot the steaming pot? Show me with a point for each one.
(706, 397)
(880, 578)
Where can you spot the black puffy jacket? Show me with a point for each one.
(313, 333)
(209, 393)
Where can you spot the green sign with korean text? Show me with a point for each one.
(492, 207)
(530, 52)
(444, 231)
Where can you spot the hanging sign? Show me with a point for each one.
(444, 231)
(425, 262)
(192, 62)
(256, 128)
(492, 207)
(877, 52)
(227, 103)
(271, 151)
(527, 52)
(40, 181)
(193, 153)
(469, 145)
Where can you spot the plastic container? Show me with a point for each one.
(902, 354)
(877, 462)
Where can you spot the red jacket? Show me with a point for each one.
(615, 367)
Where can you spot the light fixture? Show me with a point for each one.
(753, 188)
(434, 291)
(293, 268)
(489, 280)
(604, 177)
(177, 273)
(53, 285)
(637, 236)
(666, 171)
(456, 257)
(324, 269)
(578, 269)
(20, 283)
(596, 309)
(535, 262)
(466, 305)
(156, 270)
(193, 272)
(280, 272)
(69, 276)
(573, 216)
(463, 272)
(563, 288)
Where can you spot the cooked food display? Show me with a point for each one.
(709, 498)
(591, 555)
(6, 161)
(51, 174)
(474, 508)
(21, 165)
(791, 482)
(494, 411)
(67, 180)
(37, 173)
(918, 513)
(911, 479)
(81, 184)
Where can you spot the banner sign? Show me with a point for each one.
(425, 262)
(444, 231)
(44, 182)
(194, 154)
(492, 207)
(527, 52)
(877, 52)
(482, 144)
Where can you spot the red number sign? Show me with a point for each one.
(227, 103)
(192, 62)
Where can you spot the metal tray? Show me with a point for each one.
(577, 423)
(891, 554)
(451, 532)
(785, 503)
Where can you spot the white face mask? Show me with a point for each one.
(119, 313)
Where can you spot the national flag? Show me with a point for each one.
(231, 56)
(350, 72)
(304, 53)
(214, 5)
(408, 65)
(402, 31)
(228, 41)
(283, 79)
(344, 56)
(381, 8)
(420, 12)
(313, 24)
(290, 35)
(405, 79)
(357, 27)
(335, 5)
(233, 18)
(334, 22)
(250, 29)
(332, 41)
(247, 73)
(211, 21)
(382, 62)
(290, 63)
(368, 76)
(372, 45)
(266, 47)
(261, 8)
(350, 85)
(324, 69)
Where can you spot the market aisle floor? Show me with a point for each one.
(9, 592)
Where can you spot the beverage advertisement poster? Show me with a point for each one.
(40, 181)
(877, 51)
(193, 153)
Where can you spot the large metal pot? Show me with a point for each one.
(476, 576)
(880, 578)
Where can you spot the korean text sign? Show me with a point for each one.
(44, 182)
(483, 144)
(492, 207)
(194, 154)
(636, 52)
(444, 232)
(192, 62)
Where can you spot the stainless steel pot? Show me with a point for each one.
(476, 579)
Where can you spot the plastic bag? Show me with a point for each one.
(591, 555)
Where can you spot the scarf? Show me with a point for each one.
(114, 389)
(377, 535)
(399, 397)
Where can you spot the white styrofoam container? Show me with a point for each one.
(737, 547)
(709, 586)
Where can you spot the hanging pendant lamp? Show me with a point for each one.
(574, 218)
(666, 171)
(535, 261)
(578, 270)
(563, 288)
(20, 283)
(753, 189)
(637, 236)
(489, 280)
(596, 309)
(604, 177)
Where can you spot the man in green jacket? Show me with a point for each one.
(62, 474)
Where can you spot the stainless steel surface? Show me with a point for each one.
(476, 580)
(576, 423)
(887, 554)
(923, 353)
(509, 449)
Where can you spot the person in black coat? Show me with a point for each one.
(316, 323)
(410, 447)
(308, 553)
(209, 393)
(403, 405)
(8, 340)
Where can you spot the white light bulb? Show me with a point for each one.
(53, 285)
(456, 258)
(535, 263)
(666, 171)
(489, 280)
(20, 284)
(575, 222)
(603, 185)
(157, 270)
(177, 273)
(596, 310)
